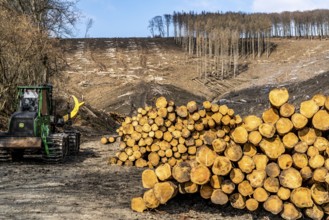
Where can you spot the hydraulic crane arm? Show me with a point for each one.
(75, 110)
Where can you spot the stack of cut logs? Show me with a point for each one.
(279, 160)
(170, 134)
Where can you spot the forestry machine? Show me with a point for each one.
(33, 128)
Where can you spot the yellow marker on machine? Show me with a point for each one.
(75, 110)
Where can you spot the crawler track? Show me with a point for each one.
(5, 155)
(73, 142)
(58, 148)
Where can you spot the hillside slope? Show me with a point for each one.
(119, 75)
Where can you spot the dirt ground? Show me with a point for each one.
(115, 77)
(85, 187)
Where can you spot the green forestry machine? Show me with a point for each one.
(33, 128)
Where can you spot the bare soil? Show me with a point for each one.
(115, 77)
(85, 187)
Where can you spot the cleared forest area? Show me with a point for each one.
(115, 74)
(225, 58)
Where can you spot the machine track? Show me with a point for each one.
(58, 148)
(5, 155)
(73, 142)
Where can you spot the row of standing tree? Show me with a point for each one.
(222, 39)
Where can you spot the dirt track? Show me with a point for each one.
(85, 187)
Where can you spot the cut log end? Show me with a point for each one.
(278, 97)
(138, 204)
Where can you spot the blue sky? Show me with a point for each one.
(130, 18)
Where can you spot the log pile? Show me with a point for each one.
(278, 161)
(170, 134)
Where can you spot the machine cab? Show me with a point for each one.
(35, 99)
(29, 100)
(34, 107)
